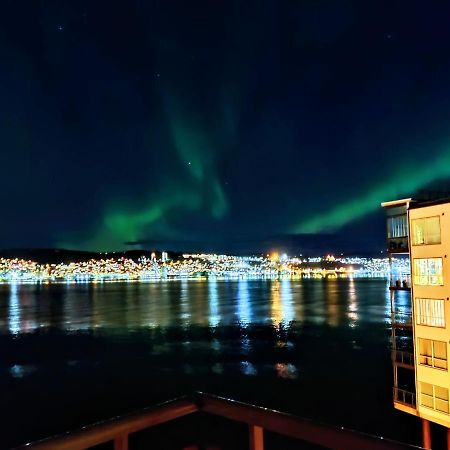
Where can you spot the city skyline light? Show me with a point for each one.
(211, 266)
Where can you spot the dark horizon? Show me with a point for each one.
(352, 241)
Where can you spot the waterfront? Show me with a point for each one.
(83, 267)
(76, 353)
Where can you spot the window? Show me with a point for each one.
(434, 397)
(433, 353)
(426, 231)
(427, 395)
(397, 226)
(430, 312)
(428, 271)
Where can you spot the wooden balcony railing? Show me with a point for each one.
(258, 419)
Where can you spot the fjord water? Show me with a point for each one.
(72, 354)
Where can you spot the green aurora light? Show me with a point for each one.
(198, 190)
(409, 180)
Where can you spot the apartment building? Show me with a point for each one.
(420, 310)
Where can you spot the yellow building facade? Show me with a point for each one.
(421, 231)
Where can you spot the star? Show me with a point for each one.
(60, 28)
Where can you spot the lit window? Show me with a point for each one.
(434, 397)
(428, 271)
(426, 231)
(430, 312)
(433, 353)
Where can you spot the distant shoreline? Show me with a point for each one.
(195, 266)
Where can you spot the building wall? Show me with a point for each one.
(433, 376)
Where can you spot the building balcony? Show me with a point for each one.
(400, 284)
(401, 319)
(398, 245)
(405, 401)
(403, 359)
(405, 398)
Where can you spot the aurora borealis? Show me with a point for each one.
(216, 123)
(437, 167)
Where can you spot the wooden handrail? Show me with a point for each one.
(118, 427)
(328, 436)
(258, 419)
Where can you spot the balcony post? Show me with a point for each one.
(426, 434)
(256, 435)
(448, 438)
(121, 442)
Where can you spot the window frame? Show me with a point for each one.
(417, 276)
(413, 235)
(434, 398)
(432, 357)
(420, 318)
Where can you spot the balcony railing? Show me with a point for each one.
(403, 358)
(398, 245)
(400, 284)
(405, 397)
(433, 361)
(401, 319)
(258, 420)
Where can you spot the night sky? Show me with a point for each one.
(217, 125)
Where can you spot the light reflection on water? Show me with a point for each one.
(214, 302)
(14, 310)
(286, 370)
(20, 370)
(269, 341)
(244, 308)
(247, 368)
(214, 316)
(353, 303)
